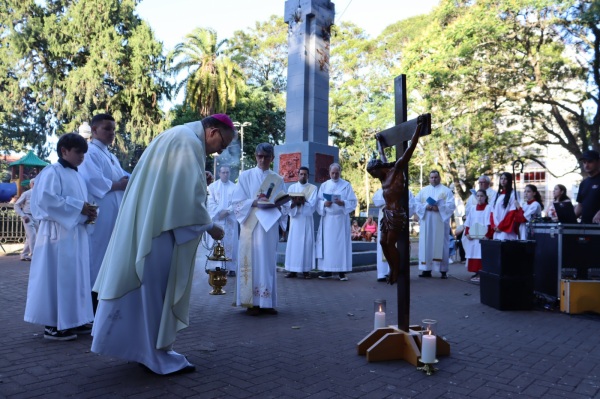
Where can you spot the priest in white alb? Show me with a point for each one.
(333, 247)
(259, 215)
(220, 209)
(435, 206)
(299, 253)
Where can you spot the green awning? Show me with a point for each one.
(29, 160)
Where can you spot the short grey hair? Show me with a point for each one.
(266, 148)
(484, 177)
(335, 164)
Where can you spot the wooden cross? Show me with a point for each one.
(399, 136)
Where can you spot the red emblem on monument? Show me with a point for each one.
(289, 165)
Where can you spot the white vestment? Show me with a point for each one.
(383, 268)
(299, 253)
(530, 211)
(499, 213)
(22, 208)
(434, 227)
(59, 289)
(100, 169)
(144, 284)
(472, 201)
(473, 247)
(257, 264)
(334, 244)
(219, 200)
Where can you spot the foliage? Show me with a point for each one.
(262, 54)
(213, 80)
(503, 79)
(64, 61)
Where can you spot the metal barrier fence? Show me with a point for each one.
(11, 226)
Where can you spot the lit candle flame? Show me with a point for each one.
(380, 308)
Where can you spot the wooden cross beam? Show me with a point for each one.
(403, 132)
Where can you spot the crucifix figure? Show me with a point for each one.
(393, 184)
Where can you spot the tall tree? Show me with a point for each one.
(78, 58)
(504, 78)
(213, 80)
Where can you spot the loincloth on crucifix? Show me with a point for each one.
(393, 220)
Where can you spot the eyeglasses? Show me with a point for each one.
(223, 145)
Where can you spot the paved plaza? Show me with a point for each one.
(309, 349)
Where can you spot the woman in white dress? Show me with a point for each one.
(532, 208)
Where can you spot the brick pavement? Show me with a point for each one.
(309, 349)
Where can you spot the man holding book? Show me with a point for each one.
(336, 199)
(435, 206)
(257, 205)
(299, 253)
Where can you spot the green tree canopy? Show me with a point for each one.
(62, 62)
(213, 82)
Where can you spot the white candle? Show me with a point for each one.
(428, 349)
(379, 320)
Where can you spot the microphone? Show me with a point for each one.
(270, 190)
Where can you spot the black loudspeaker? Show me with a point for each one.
(508, 258)
(506, 292)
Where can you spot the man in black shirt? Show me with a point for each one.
(588, 197)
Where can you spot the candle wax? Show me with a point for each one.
(379, 320)
(428, 348)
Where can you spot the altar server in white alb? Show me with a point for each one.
(58, 294)
(106, 182)
(145, 280)
(259, 215)
(383, 267)
(435, 206)
(299, 253)
(336, 200)
(220, 194)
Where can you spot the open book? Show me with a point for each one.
(331, 197)
(279, 199)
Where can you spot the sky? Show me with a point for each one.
(171, 20)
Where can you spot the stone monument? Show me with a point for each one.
(307, 108)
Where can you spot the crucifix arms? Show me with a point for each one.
(423, 122)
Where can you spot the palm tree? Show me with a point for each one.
(213, 80)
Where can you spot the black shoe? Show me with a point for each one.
(381, 279)
(190, 368)
(343, 277)
(58, 335)
(253, 311)
(326, 275)
(82, 330)
(291, 275)
(425, 274)
(306, 275)
(270, 311)
(444, 277)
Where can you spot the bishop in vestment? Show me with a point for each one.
(145, 280)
